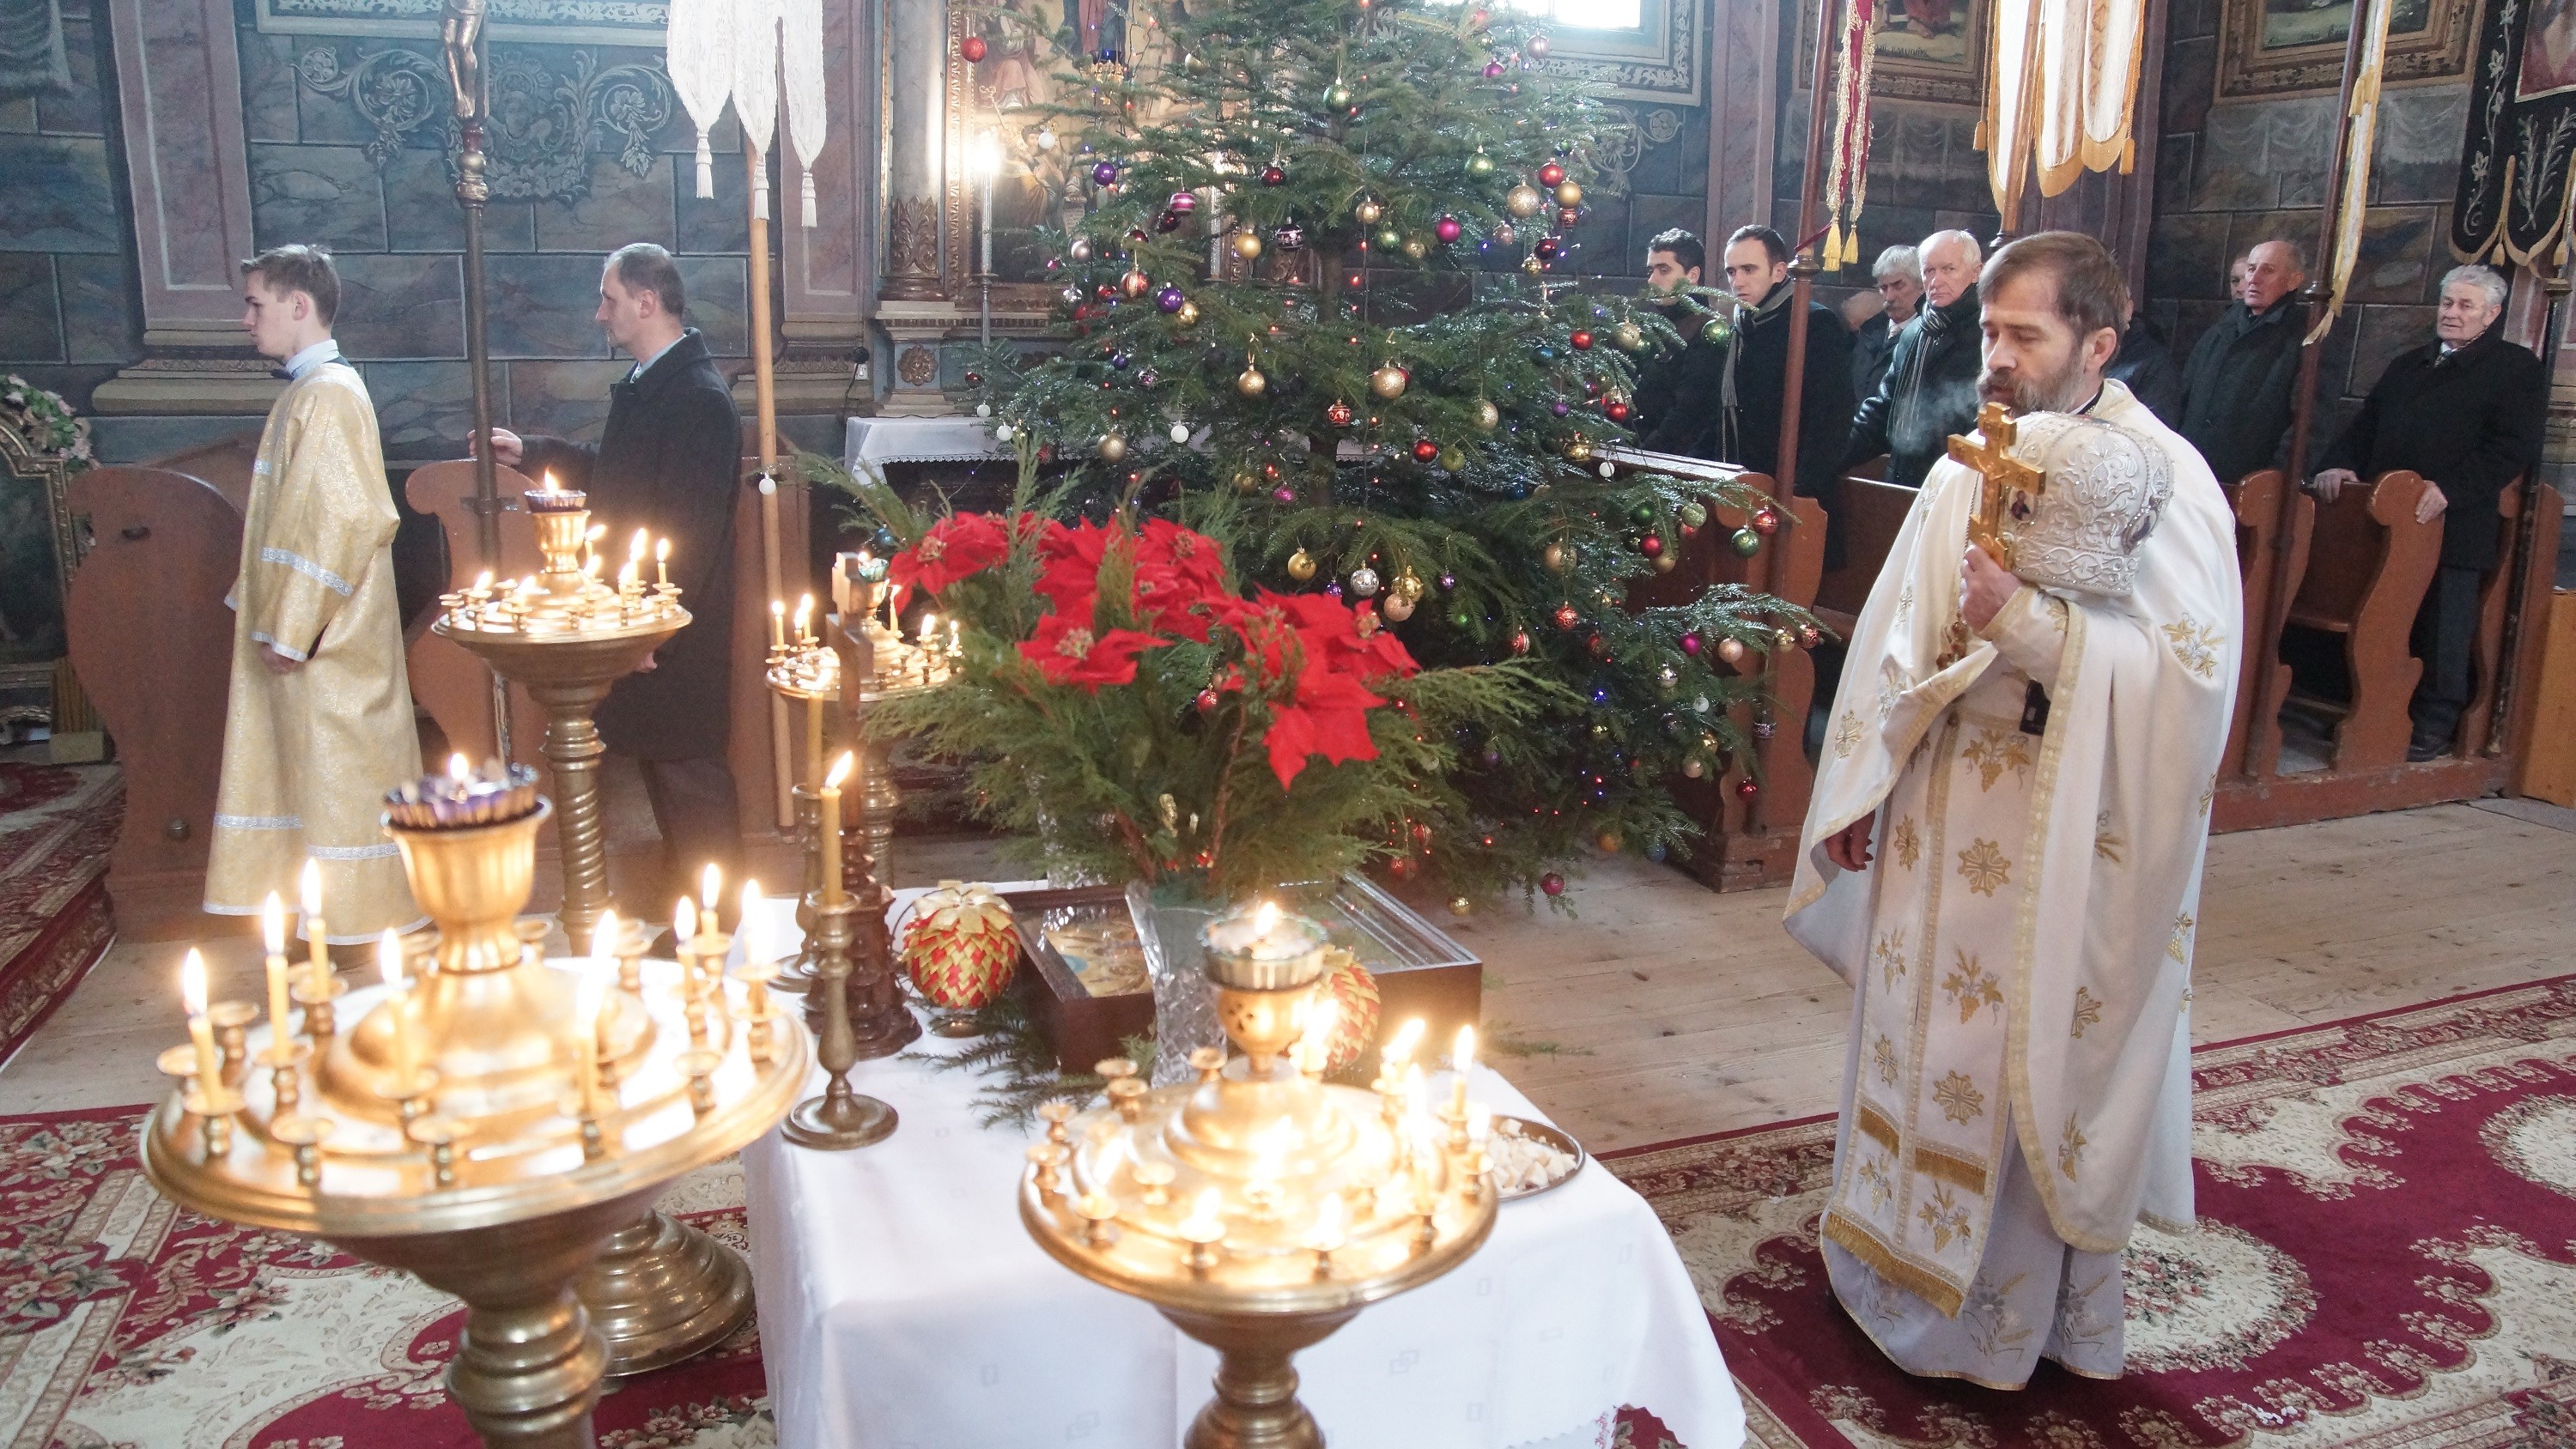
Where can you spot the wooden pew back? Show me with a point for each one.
(2254, 731)
(2368, 564)
(1869, 517)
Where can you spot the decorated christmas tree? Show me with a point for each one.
(1318, 302)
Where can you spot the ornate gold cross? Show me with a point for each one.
(1989, 451)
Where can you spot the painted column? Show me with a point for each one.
(178, 78)
(915, 54)
(827, 273)
(1743, 102)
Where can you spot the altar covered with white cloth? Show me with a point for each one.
(903, 1306)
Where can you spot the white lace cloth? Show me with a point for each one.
(903, 1306)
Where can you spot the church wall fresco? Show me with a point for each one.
(68, 314)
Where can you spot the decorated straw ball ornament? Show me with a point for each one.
(1353, 991)
(961, 948)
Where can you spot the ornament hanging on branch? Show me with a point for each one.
(1521, 201)
(973, 49)
(1289, 237)
(1339, 414)
(1389, 381)
(1301, 566)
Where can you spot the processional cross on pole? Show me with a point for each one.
(2004, 482)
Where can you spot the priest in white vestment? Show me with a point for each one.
(2003, 857)
(319, 723)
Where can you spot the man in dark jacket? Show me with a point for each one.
(1897, 276)
(2236, 387)
(1677, 388)
(2145, 366)
(1753, 385)
(1930, 390)
(2464, 410)
(666, 461)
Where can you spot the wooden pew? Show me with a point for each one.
(1753, 844)
(2368, 564)
(153, 644)
(2486, 663)
(2254, 732)
(1872, 512)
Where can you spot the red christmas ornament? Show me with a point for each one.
(1747, 788)
(1582, 341)
(1809, 636)
(1618, 412)
(1599, 644)
(1339, 414)
(972, 47)
(1651, 546)
(1207, 701)
(1765, 521)
(1550, 174)
(1274, 174)
(1552, 883)
(1566, 618)
(1400, 867)
(1424, 450)
(1520, 645)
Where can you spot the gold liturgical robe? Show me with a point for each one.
(309, 755)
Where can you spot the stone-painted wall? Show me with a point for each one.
(69, 314)
(2236, 172)
(398, 236)
(1667, 187)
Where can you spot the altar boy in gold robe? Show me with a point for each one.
(319, 724)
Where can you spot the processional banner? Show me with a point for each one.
(2513, 194)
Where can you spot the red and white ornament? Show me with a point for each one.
(961, 949)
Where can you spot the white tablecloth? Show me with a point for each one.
(903, 1306)
(868, 444)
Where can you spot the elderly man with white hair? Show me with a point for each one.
(1930, 388)
(2464, 410)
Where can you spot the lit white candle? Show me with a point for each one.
(710, 883)
(1399, 1048)
(272, 927)
(201, 1032)
(662, 561)
(929, 630)
(831, 826)
(316, 935)
(778, 624)
(1464, 1059)
(804, 619)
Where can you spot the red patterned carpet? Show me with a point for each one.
(56, 825)
(2386, 1256)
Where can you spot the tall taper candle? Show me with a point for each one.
(830, 826)
(272, 925)
(316, 935)
(201, 1032)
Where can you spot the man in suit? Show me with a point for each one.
(2464, 410)
(1930, 390)
(1754, 383)
(666, 461)
(2236, 387)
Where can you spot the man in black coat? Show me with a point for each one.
(666, 461)
(1897, 277)
(2145, 366)
(1753, 384)
(2236, 387)
(1677, 388)
(1930, 391)
(2466, 411)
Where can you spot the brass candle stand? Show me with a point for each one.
(567, 637)
(1259, 1208)
(459, 1128)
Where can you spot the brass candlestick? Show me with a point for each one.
(567, 637)
(840, 1118)
(1258, 1208)
(453, 1130)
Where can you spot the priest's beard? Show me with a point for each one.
(2060, 391)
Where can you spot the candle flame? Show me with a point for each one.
(710, 881)
(389, 959)
(929, 626)
(483, 580)
(1105, 1167)
(1463, 1054)
(586, 1004)
(1264, 918)
(777, 609)
(643, 541)
(192, 983)
(312, 884)
(840, 770)
(662, 550)
(1327, 1232)
(272, 924)
(804, 605)
(1406, 1038)
(1206, 1216)
(458, 769)
(596, 532)
(684, 921)
(547, 482)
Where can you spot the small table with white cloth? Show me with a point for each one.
(903, 1306)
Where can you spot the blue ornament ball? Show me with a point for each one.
(1656, 852)
(1118, 360)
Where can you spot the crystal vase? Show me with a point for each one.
(1167, 925)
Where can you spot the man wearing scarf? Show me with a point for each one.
(1753, 384)
(1930, 388)
(2003, 857)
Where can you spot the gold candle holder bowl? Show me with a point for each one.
(445, 1130)
(1258, 1208)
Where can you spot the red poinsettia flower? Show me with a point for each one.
(955, 547)
(1198, 557)
(1066, 651)
(1329, 718)
(1166, 598)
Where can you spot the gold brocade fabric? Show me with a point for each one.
(309, 755)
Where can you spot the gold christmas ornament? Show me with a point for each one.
(1568, 194)
(1188, 314)
(1397, 607)
(1247, 245)
(1112, 447)
(1664, 561)
(1389, 381)
(1368, 211)
(1523, 201)
(1245, 483)
(1557, 556)
(1628, 336)
(1301, 566)
(1461, 906)
(1580, 450)
(1408, 586)
(1250, 382)
(1414, 248)
(1453, 459)
(1783, 641)
(1487, 415)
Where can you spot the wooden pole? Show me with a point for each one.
(2303, 393)
(765, 395)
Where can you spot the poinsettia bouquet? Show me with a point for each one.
(1134, 714)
